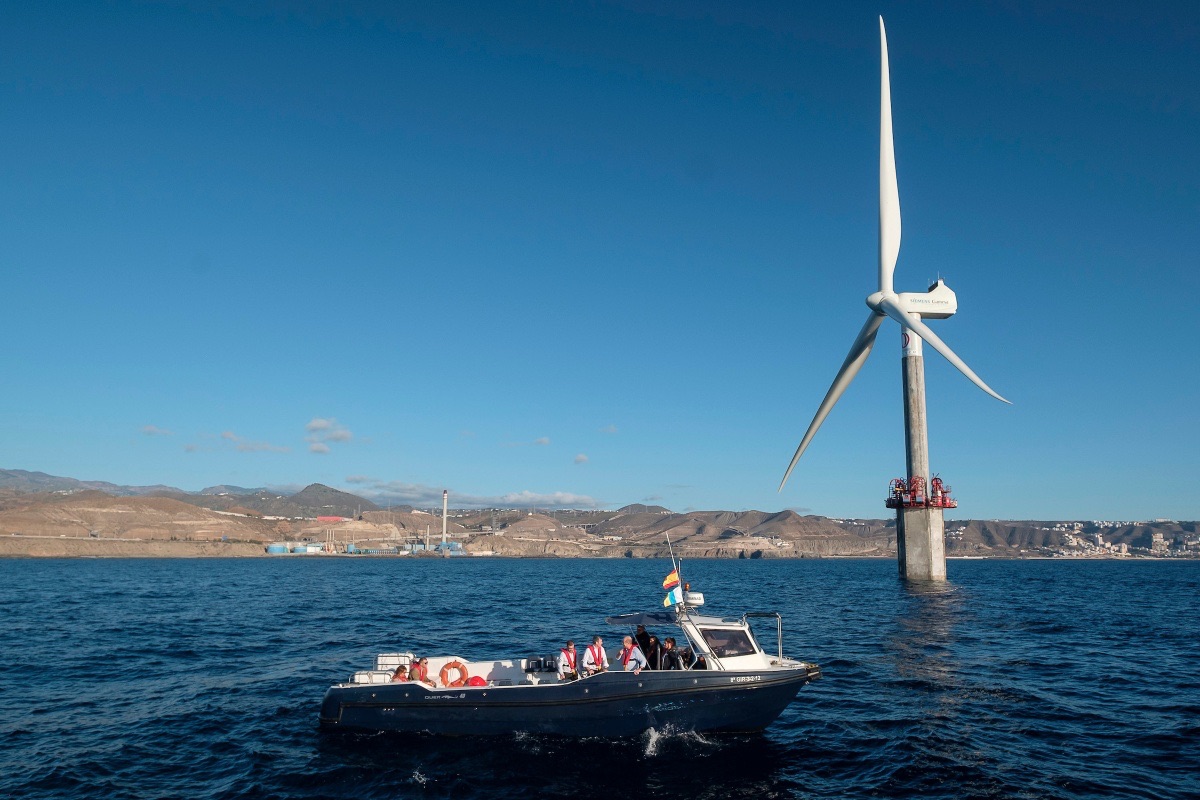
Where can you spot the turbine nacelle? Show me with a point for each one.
(938, 302)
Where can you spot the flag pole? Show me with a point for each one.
(675, 565)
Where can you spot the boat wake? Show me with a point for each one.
(653, 740)
(528, 742)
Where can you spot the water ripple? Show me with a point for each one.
(201, 679)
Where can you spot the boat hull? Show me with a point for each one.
(611, 704)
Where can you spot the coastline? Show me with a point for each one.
(34, 547)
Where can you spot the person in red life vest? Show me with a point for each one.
(568, 669)
(401, 674)
(594, 658)
(631, 656)
(420, 671)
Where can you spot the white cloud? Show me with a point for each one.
(422, 496)
(360, 479)
(154, 430)
(247, 446)
(322, 431)
(261, 447)
(559, 499)
(541, 441)
(581, 459)
(413, 494)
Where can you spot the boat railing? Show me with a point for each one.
(778, 627)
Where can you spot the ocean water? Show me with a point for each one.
(202, 679)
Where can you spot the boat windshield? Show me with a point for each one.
(726, 643)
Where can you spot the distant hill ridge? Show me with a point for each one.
(313, 500)
(23, 481)
(638, 508)
(226, 489)
(33, 502)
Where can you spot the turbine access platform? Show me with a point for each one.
(912, 494)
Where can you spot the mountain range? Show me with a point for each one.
(38, 507)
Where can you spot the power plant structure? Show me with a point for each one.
(445, 512)
(920, 526)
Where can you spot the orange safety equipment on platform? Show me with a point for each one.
(912, 494)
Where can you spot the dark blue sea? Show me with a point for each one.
(202, 679)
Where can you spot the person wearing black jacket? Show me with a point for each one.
(643, 639)
(668, 656)
(653, 652)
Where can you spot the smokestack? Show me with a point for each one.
(445, 511)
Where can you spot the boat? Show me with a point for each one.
(730, 684)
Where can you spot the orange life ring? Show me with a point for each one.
(462, 671)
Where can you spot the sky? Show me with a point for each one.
(586, 254)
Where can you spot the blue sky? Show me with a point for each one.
(599, 253)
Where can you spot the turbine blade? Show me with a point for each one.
(913, 323)
(889, 191)
(850, 367)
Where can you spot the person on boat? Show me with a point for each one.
(631, 656)
(669, 657)
(401, 674)
(653, 653)
(420, 671)
(643, 639)
(687, 658)
(567, 663)
(594, 658)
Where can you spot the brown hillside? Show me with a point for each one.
(148, 518)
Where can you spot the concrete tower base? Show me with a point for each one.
(921, 544)
(920, 532)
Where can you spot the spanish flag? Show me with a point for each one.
(672, 580)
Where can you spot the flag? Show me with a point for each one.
(674, 597)
(672, 580)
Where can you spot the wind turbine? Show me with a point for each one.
(920, 530)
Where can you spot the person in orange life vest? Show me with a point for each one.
(420, 671)
(631, 656)
(401, 674)
(594, 658)
(568, 669)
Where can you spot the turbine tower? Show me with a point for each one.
(920, 528)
